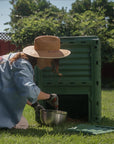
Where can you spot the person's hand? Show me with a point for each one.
(52, 102)
(37, 107)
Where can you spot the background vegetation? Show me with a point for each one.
(39, 17)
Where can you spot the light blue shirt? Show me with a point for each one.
(16, 87)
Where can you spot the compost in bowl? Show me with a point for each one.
(52, 117)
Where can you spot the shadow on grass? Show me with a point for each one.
(106, 121)
(39, 131)
(28, 132)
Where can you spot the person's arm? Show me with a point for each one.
(22, 73)
(41, 96)
(23, 79)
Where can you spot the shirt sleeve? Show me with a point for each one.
(22, 73)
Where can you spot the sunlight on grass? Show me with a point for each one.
(108, 107)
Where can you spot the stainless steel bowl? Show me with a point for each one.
(52, 117)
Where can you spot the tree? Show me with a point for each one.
(80, 6)
(43, 23)
(24, 8)
(109, 10)
(107, 6)
(86, 27)
(52, 21)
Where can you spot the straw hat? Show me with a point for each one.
(46, 47)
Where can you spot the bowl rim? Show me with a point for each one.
(54, 111)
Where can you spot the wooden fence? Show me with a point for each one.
(5, 44)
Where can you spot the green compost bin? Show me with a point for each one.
(79, 87)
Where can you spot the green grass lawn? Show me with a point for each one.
(37, 134)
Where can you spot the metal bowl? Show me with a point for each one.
(52, 117)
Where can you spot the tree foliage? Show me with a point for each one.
(80, 6)
(39, 17)
(24, 8)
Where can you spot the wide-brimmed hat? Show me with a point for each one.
(46, 47)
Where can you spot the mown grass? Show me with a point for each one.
(37, 134)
